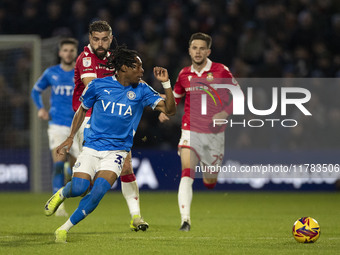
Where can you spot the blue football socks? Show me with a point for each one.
(91, 200)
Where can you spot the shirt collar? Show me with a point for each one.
(206, 68)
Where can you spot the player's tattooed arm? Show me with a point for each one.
(78, 119)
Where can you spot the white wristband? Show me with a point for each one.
(166, 84)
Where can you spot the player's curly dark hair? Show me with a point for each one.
(120, 56)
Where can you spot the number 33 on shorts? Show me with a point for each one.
(119, 160)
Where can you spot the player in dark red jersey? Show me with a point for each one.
(89, 66)
(200, 141)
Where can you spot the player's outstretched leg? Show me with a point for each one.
(53, 203)
(74, 188)
(86, 206)
(185, 198)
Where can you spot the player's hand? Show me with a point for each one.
(163, 118)
(161, 74)
(66, 144)
(43, 114)
(220, 115)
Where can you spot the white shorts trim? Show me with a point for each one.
(58, 134)
(91, 161)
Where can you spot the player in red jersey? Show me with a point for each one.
(200, 140)
(89, 66)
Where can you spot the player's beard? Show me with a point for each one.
(100, 55)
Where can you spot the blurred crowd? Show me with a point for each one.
(254, 38)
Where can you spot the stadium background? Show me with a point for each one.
(254, 38)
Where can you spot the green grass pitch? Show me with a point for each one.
(222, 223)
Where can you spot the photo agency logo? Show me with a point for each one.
(282, 98)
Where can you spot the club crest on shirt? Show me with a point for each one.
(210, 77)
(87, 62)
(131, 95)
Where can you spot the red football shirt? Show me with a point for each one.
(87, 65)
(187, 83)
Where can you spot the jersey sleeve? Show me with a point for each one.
(151, 97)
(179, 91)
(88, 97)
(38, 87)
